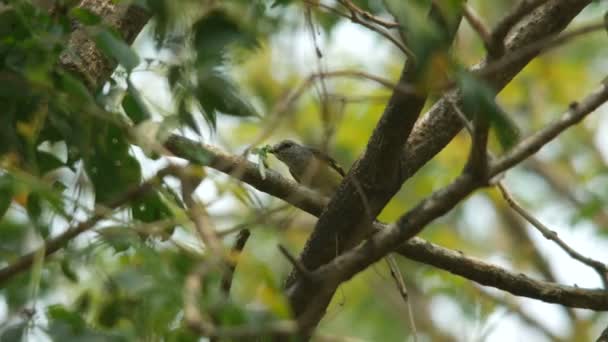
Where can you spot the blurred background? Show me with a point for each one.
(564, 185)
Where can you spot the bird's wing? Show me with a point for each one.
(293, 174)
(332, 163)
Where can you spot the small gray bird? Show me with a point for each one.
(309, 166)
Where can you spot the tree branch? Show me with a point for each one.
(369, 185)
(549, 234)
(83, 57)
(504, 26)
(527, 147)
(441, 123)
(410, 224)
(494, 276)
(237, 248)
(200, 323)
(416, 249)
(428, 137)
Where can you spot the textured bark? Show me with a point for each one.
(84, 58)
(441, 124)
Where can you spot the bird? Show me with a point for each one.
(309, 166)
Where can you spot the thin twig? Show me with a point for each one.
(296, 264)
(354, 17)
(398, 278)
(53, 245)
(235, 253)
(550, 234)
(288, 101)
(191, 177)
(530, 145)
(603, 336)
(260, 217)
(201, 323)
(368, 16)
(369, 21)
(465, 122)
(477, 24)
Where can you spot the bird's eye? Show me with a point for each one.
(285, 144)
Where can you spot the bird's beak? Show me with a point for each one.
(272, 149)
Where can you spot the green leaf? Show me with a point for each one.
(69, 326)
(281, 3)
(112, 175)
(262, 154)
(181, 334)
(75, 88)
(15, 332)
(185, 116)
(13, 85)
(48, 162)
(12, 238)
(214, 32)
(6, 193)
(34, 206)
(68, 271)
(217, 93)
(60, 313)
(85, 16)
(115, 47)
(428, 36)
(120, 238)
(479, 99)
(12, 25)
(110, 167)
(150, 208)
(134, 105)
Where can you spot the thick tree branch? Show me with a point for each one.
(504, 26)
(371, 182)
(84, 58)
(441, 123)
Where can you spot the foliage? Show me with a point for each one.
(70, 152)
